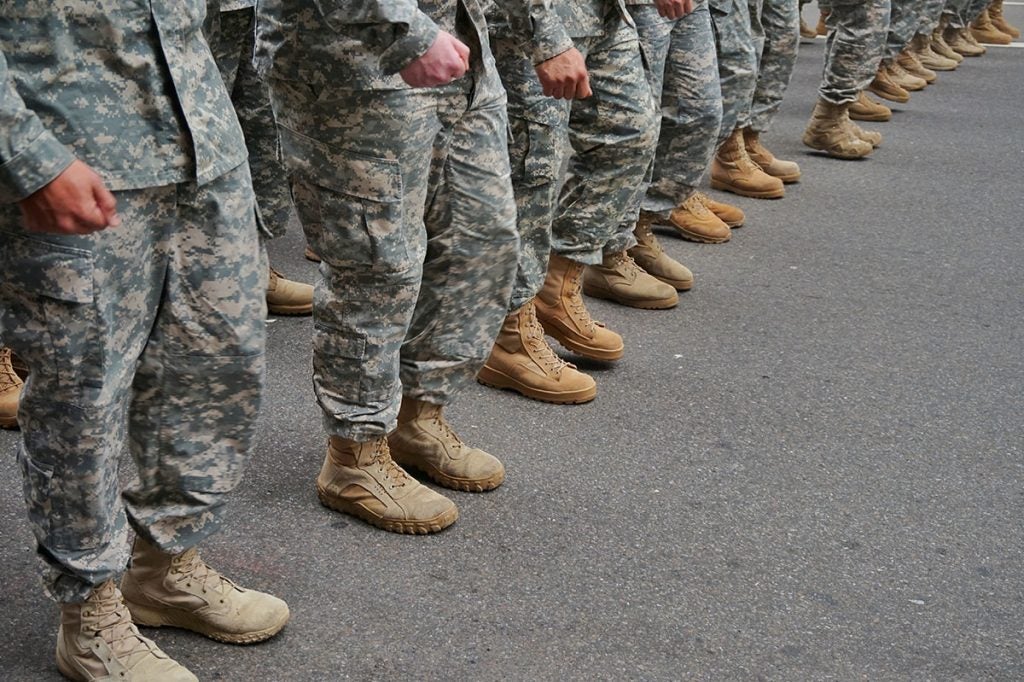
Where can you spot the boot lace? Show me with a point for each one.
(447, 433)
(542, 353)
(108, 618)
(395, 474)
(645, 237)
(192, 570)
(8, 377)
(695, 205)
(575, 300)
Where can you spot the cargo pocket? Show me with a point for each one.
(52, 286)
(533, 151)
(354, 202)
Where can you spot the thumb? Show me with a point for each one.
(106, 202)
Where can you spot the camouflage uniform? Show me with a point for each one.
(405, 195)
(929, 14)
(736, 39)
(231, 33)
(904, 19)
(780, 38)
(853, 50)
(149, 334)
(613, 133)
(682, 69)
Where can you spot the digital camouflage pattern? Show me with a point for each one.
(410, 298)
(151, 333)
(231, 33)
(777, 49)
(904, 20)
(856, 41)
(929, 15)
(683, 75)
(612, 134)
(737, 61)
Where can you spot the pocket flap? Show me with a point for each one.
(343, 171)
(42, 268)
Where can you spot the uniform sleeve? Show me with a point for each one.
(30, 156)
(537, 27)
(395, 29)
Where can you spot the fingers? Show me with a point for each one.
(463, 52)
(106, 203)
(583, 87)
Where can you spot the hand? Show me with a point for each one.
(445, 60)
(75, 202)
(565, 76)
(674, 9)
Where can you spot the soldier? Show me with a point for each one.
(898, 76)
(853, 49)
(231, 33)
(586, 54)
(133, 291)
(392, 121)
(921, 44)
(683, 74)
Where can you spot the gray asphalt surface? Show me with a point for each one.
(812, 469)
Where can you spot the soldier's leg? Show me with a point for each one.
(472, 247)
(232, 41)
(922, 44)
(780, 21)
(737, 40)
(521, 359)
(361, 161)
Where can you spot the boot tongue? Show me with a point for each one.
(112, 622)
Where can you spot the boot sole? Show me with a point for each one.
(290, 309)
(677, 284)
(834, 154)
(704, 239)
(872, 118)
(500, 380)
(154, 618)
(8, 422)
(788, 179)
(466, 485)
(658, 304)
(890, 96)
(580, 349)
(765, 194)
(434, 525)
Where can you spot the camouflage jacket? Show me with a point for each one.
(129, 88)
(361, 45)
(545, 28)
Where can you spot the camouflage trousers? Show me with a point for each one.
(962, 12)
(853, 50)
(406, 196)
(737, 61)
(150, 334)
(904, 20)
(232, 38)
(682, 69)
(612, 135)
(928, 16)
(777, 48)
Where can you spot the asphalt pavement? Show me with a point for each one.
(812, 469)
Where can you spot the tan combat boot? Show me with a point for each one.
(905, 79)
(10, 391)
(957, 39)
(733, 216)
(972, 41)
(98, 641)
(732, 170)
(930, 59)
(361, 479)
(869, 136)
(909, 62)
(939, 44)
(885, 87)
(985, 31)
(694, 221)
(619, 279)
(425, 441)
(564, 315)
(311, 255)
(181, 591)
(649, 255)
(821, 28)
(285, 297)
(995, 13)
(828, 131)
(867, 109)
(787, 171)
(806, 31)
(522, 361)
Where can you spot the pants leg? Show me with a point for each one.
(856, 40)
(537, 147)
(928, 19)
(472, 247)
(904, 18)
(780, 20)
(200, 377)
(737, 61)
(613, 134)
